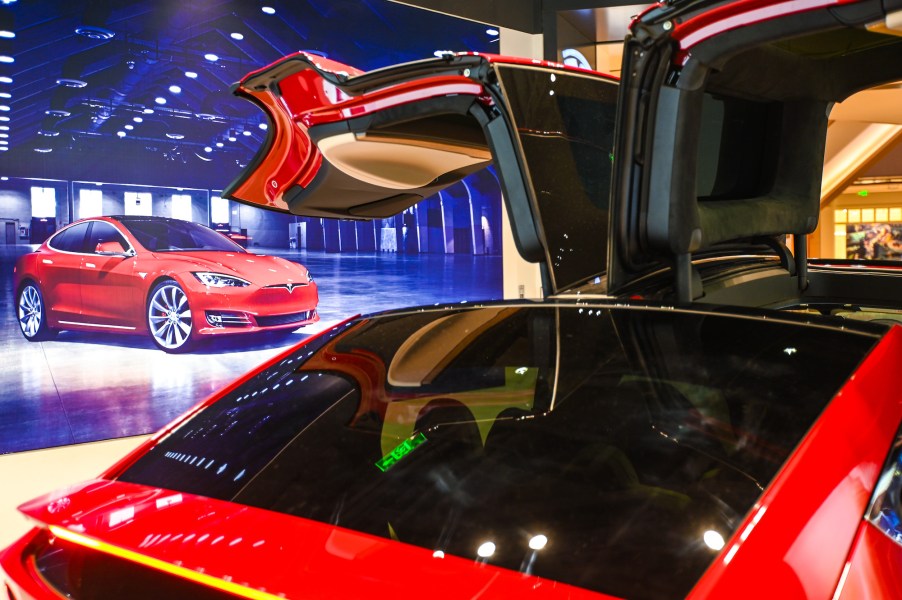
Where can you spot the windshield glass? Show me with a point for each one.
(593, 446)
(565, 124)
(172, 235)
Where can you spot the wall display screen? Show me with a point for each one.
(123, 108)
(881, 241)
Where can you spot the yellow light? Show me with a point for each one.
(160, 565)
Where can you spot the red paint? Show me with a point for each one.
(809, 516)
(279, 553)
(875, 571)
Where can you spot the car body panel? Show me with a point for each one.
(873, 570)
(261, 551)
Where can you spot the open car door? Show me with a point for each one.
(351, 145)
(724, 115)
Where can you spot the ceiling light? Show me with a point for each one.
(4, 118)
(6, 59)
(175, 89)
(3, 149)
(232, 138)
(190, 74)
(236, 36)
(4, 135)
(211, 57)
(120, 134)
(5, 33)
(208, 149)
(54, 112)
(491, 31)
(138, 120)
(268, 10)
(3, 142)
(246, 132)
(71, 82)
(175, 136)
(148, 111)
(5, 79)
(160, 100)
(43, 150)
(48, 133)
(5, 95)
(4, 107)
(129, 127)
(263, 126)
(219, 144)
(94, 33)
(4, 127)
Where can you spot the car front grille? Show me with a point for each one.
(270, 321)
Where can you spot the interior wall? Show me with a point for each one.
(521, 279)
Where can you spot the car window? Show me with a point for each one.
(614, 434)
(71, 239)
(570, 117)
(101, 231)
(168, 235)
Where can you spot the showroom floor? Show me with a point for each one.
(88, 386)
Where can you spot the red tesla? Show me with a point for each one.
(175, 280)
(696, 412)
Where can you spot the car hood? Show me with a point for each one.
(259, 269)
(256, 553)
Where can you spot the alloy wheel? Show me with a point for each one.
(169, 316)
(31, 311)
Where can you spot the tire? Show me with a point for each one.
(31, 312)
(169, 319)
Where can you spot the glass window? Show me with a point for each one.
(101, 231)
(219, 210)
(181, 207)
(71, 239)
(570, 117)
(138, 203)
(163, 235)
(43, 203)
(616, 434)
(90, 203)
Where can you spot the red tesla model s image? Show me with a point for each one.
(175, 280)
(696, 410)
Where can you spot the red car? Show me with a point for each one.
(696, 411)
(176, 280)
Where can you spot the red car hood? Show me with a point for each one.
(259, 269)
(262, 554)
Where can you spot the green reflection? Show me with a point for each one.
(399, 452)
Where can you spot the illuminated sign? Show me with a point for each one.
(400, 451)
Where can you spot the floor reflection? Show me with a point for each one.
(84, 387)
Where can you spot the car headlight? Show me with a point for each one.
(218, 280)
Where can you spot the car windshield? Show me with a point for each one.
(172, 235)
(607, 448)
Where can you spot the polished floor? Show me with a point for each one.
(83, 387)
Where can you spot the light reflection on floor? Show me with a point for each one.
(90, 386)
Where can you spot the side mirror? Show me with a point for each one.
(113, 248)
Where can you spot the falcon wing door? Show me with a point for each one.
(352, 145)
